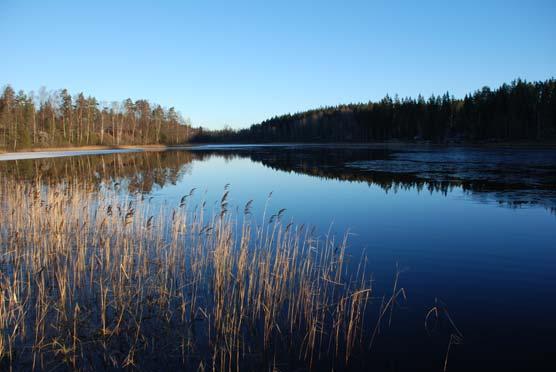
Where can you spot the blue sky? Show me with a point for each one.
(239, 62)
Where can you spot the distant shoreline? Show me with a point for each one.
(87, 147)
(50, 152)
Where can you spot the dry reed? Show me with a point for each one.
(94, 280)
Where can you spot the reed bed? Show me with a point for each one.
(98, 280)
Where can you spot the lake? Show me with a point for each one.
(471, 230)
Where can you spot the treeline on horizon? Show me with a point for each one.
(57, 118)
(513, 112)
(517, 111)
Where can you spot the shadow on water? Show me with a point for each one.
(513, 178)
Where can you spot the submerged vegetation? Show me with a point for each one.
(94, 280)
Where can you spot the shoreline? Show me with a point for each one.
(51, 152)
(79, 148)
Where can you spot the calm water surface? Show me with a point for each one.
(474, 228)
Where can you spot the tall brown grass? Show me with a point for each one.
(94, 280)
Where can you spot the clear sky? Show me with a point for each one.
(239, 62)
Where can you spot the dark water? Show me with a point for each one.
(473, 229)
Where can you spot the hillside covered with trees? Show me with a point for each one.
(60, 119)
(513, 112)
(520, 111)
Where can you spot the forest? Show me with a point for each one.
(56, 118)
(519, 111)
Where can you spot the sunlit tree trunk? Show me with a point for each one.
(34, 124)
(102, 127)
